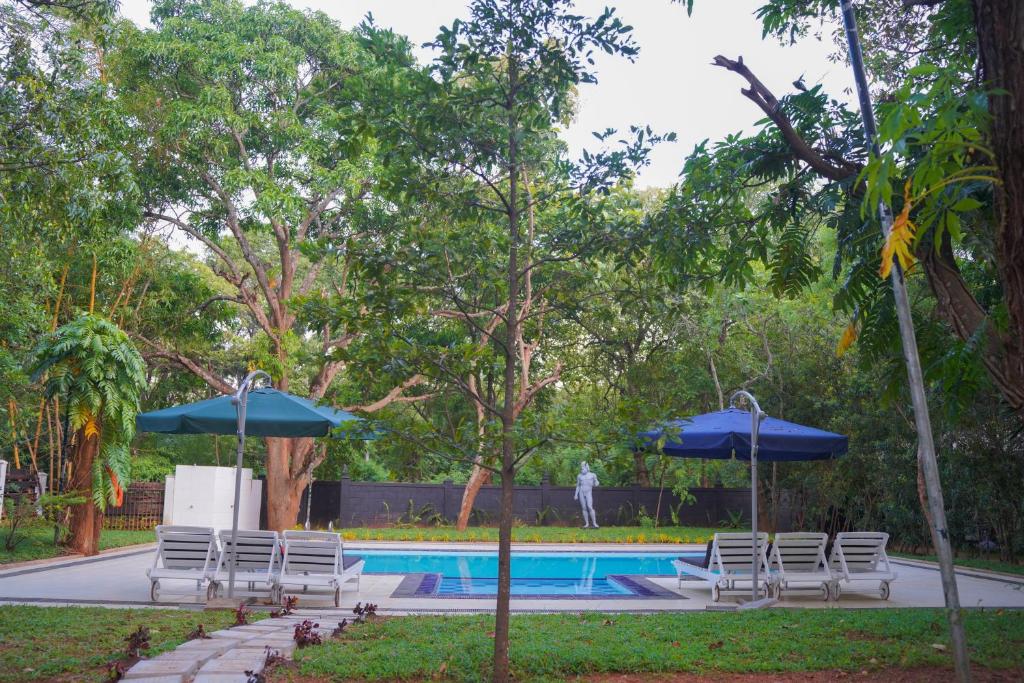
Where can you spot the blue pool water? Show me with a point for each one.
(464, 573)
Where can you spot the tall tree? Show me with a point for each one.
(94, 366)
(249, 147)
(936, 136)
(66, 192)
(484, 134)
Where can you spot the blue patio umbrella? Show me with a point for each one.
(259, 412)
(746, 435)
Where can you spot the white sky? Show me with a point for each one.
(671, 86)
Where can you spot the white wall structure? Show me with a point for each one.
(3, 482)
(204, 496)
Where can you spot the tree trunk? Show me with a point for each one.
(957, 306)
(478, 477)
(84, 536)
(643, 475)
(284, 491)
(501, 617)
(1000, 28)
(501, 673)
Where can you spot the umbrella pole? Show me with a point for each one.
(756, 415)
(240, 399)
(754, 568)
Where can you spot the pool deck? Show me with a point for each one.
(118, 579)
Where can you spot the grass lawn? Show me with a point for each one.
(554, 647)
(975, 562)
(38, 542)
(536, 534)
(76, 643)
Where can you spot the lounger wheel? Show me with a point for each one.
(277, 595)
(337, 596)
(825, 592)
(716, 593)
(214, 589)
(154, 590)
(836, 591)
(883, 590)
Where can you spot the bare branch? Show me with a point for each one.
(395, 395)
(155, 350)
(763, 98)
(235, 275)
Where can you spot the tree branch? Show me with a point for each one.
(766, 101)
(157, 351)
(393, 396)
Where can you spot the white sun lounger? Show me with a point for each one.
(798, 559)
(860, 556)
(316, 558)
(728, 565)
(182, 552)
(259, 557)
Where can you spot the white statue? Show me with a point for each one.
(585, 483)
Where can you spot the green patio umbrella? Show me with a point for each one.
(259, 412)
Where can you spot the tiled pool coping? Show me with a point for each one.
(426, 585)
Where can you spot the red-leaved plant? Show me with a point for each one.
(306, 634)
(198, 633)
(336, 633)
(363, 611)
(137, 641)
(242, 614)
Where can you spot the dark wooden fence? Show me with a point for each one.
(143, 507)
(348, 503)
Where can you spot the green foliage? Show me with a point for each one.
(19, 508)
(94, 366)
(152, 467)
(56, 509)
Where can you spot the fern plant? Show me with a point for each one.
(95, 367)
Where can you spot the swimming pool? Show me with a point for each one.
(462, 574)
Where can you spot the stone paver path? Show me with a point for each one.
(226, 655)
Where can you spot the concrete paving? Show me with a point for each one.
(119, 579)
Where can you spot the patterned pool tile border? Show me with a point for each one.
(641, 588)
(418, 586)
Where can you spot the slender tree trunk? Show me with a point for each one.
(478, 478)
(508, 414)
(502, 617)
(86, 521)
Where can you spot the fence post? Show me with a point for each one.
(447, 500)
(636, 502)
(345, 485)
(545, 495)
